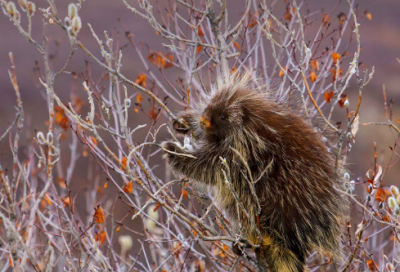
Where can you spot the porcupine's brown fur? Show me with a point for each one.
(300, 209)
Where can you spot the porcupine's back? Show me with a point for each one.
(300, 208)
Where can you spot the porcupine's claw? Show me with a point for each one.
(179, 128)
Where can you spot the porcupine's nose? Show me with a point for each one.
(204, 122)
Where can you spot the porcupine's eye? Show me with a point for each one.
(223, 117)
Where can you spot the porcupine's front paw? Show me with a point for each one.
(171, 147)
(181, 126)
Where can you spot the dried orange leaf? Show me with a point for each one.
(369, 16)
(170, 59)
(150, 57)
(343, 98)
(94, 140)
(100, 237)
(136, 110)
(45, 200)
(185, 193)
(371, 265)
(334, 72)
(66, 201)
(128, 187)
(141, 80)
(336, 56)
(61, 182)
(288, 16)
(105, 185)
(153, 114)
(235, 44)
(315, 64)
(157, 207)
(328, 95)
(64, 124)
(85, 152)
(281, 73)
(139, 98)
(198, 49)
(99, 215)
(313, 76)
(200, 32)
(123, 161)
(380, 195)
(252, 23)
(325, 19)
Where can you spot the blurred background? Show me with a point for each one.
(380, 41)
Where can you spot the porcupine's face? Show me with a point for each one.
(221, 117)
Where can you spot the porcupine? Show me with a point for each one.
(294, 172)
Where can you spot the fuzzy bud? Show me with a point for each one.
(85, 86)
(394, 190)
(381, 205)
(31, 8)
(76, 25)
(17, 16)
(125, 241)
(346, 176)
(153, 214)
(351, 186)
(346, 103)
(392, 203)
(127, 102)
(67, 22)
(398, 199)
(23, 4)
(360, 227)
(50, 137)
(368, 198)
(370, 189)
(72, 11)
(390, 267)
(11, 9)
(40, 138)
